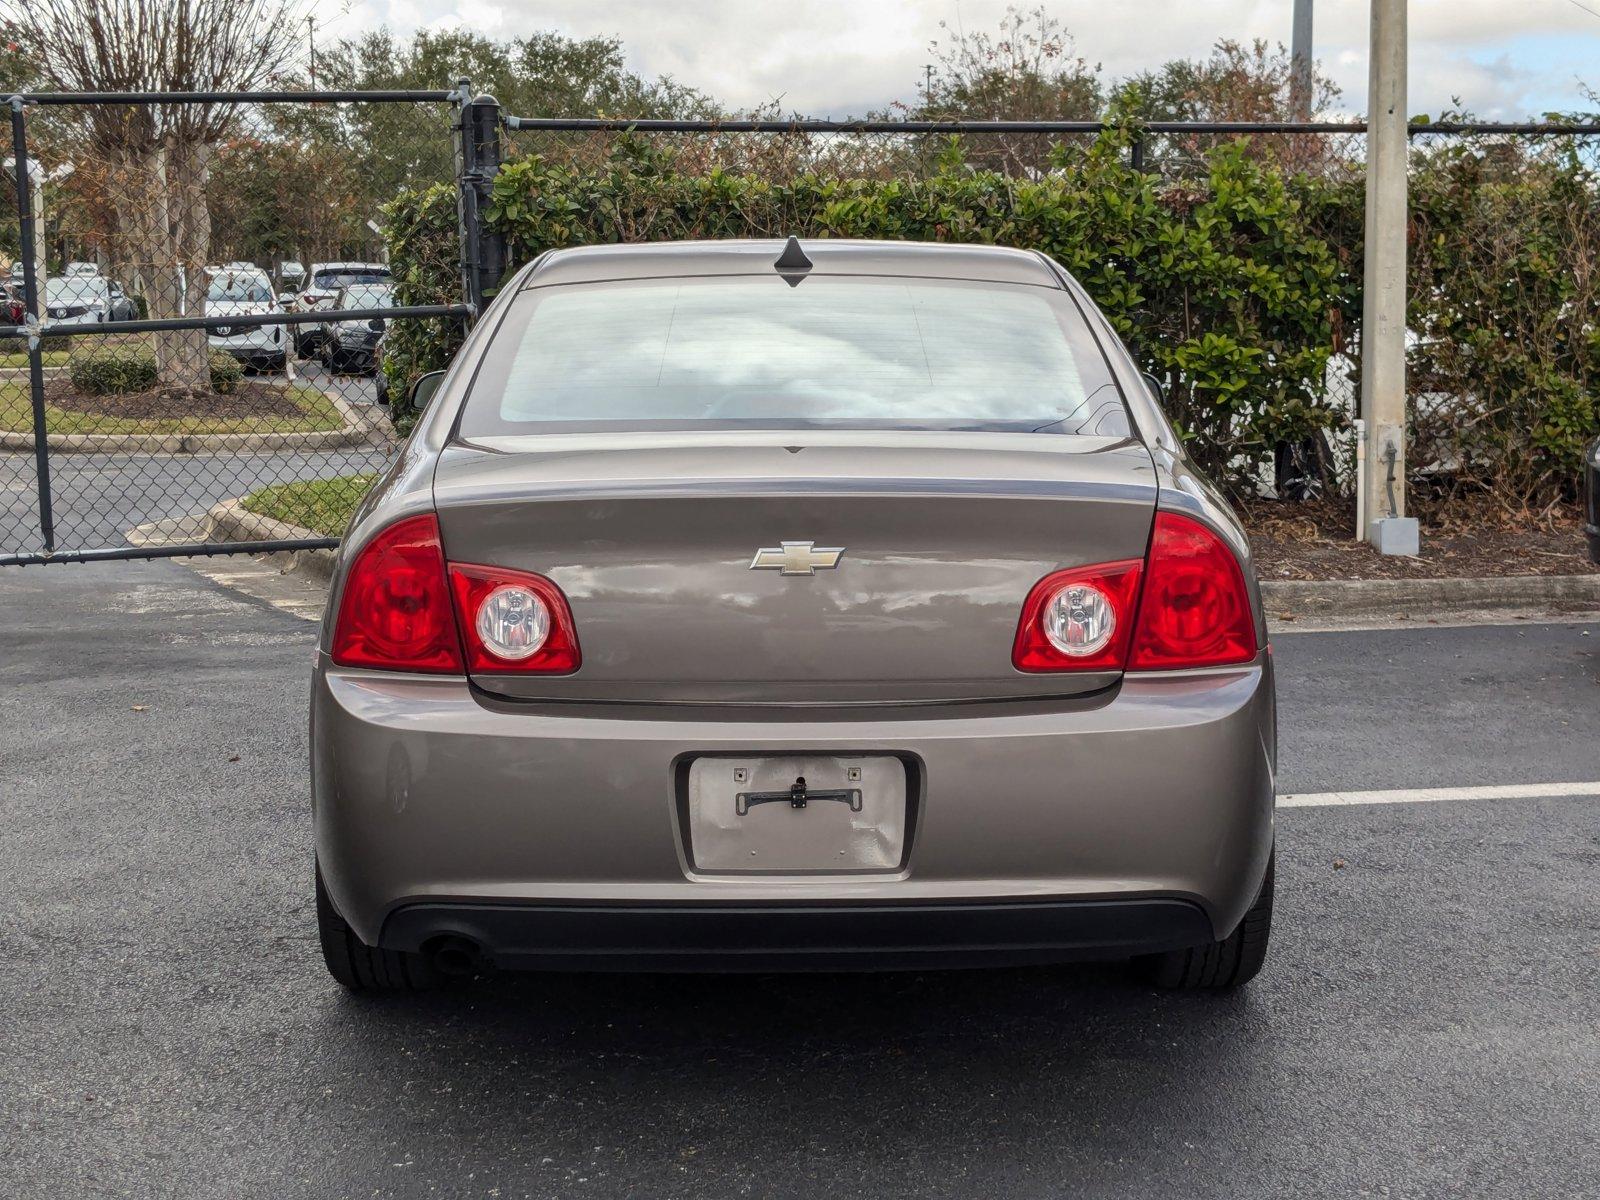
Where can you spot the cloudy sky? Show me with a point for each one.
(1503, 59)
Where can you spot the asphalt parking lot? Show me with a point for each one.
(1427, 1025)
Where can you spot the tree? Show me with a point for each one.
(1236, 82)
(1028, 71)
(157, 158)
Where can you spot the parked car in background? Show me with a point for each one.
(245, 293)
(350, 347)
(11, 297)
(321, 287)
(749, 605)
(86, 300)
(1591, 498)
(291, 277)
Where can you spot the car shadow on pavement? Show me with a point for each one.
(747, 1074)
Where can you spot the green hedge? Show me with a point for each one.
(109, 370)
(1234, 286)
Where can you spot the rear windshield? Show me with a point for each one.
(251, 289)
(368, 296)
(345, 277)
(753, 352)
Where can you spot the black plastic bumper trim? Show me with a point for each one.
(800, 937)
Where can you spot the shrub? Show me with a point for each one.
(1234, 286)
(112, 370)
(424, 256)
(226, 372)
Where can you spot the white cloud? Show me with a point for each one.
(1503, 58)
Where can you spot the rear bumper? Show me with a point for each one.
(799, 937)
(535, 822)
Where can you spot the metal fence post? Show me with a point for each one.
(483, 251)
(27, 236)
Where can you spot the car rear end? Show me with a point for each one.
(321, 291)
(936, 669)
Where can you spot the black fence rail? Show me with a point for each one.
(192, 333)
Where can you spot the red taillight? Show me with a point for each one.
(513, 622)
(1195, 611)
(1185, 605)
(395, 612)
(1079, 619)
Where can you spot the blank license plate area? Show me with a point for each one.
(751, 814)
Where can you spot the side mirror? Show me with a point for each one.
(376, 325)
(1156, 390)
(422, 391)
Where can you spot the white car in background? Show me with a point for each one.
(85, 300)
(247, 292)
(321, 286)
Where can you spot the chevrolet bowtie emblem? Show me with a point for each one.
(796, 558)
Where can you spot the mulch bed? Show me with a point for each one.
(1313, 541)
(251, 399)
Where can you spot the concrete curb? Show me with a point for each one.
(231, 521)
(359, 427)
(1413, 597)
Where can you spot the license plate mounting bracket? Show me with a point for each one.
(798, 795)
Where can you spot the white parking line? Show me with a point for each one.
(1507, 791)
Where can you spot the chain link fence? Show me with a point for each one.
(196, 313)
(200, 303)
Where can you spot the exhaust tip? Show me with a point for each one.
(455, 956)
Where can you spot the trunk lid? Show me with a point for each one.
(652, 538)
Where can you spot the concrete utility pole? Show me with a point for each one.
(1383, 310)
(1300, 59)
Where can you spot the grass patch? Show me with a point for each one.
(321, 505)
(317, 413)
(19, 358)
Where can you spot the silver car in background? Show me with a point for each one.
(351, 345)
(750, 605)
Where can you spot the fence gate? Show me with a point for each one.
(189, 335)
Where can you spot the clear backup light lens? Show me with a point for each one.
(513, 623)
(1080, 620)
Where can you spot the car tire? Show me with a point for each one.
(364, 968)
(1217, 966)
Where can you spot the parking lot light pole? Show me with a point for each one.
(1383, 323)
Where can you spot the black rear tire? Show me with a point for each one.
(364, 968)
(1217, 966)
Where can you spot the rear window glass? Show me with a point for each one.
(754, 352)
(366, 297)
(343, 278)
